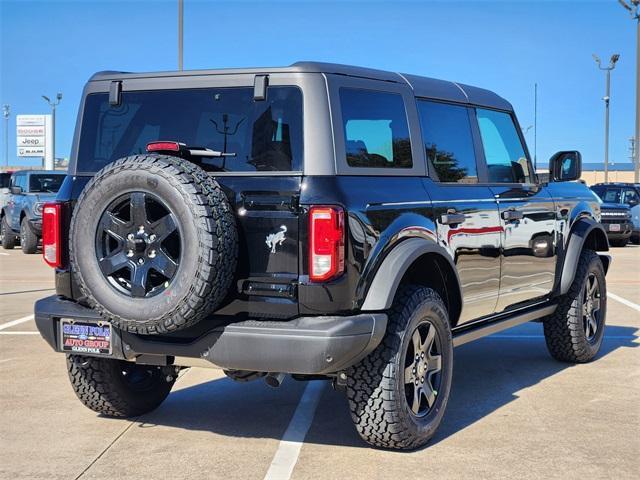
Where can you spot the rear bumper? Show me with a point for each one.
(305, 345)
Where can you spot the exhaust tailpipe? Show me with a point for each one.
(274, 380)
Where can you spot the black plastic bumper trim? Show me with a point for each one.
(305, 345)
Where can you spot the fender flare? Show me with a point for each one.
(387, 279)
(579, 233)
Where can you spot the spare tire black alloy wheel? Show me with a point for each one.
(153, 244)
(423, 364)
(138, 244)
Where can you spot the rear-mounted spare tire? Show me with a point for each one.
(154, 244)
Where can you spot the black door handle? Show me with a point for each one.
(452, 218)
(512, 214)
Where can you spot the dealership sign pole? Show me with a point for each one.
(34, 137)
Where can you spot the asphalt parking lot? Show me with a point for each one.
(514, 412)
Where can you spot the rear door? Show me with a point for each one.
(260, 171)
(527, 211)
(466, 212)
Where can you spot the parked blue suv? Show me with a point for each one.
(21, 217)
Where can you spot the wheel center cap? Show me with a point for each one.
(138, 245)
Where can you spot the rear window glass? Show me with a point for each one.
(263, 136)
(375, 129)
(45, 183)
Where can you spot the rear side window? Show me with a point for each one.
(503, 150)
(375, 129)
(448, 142)
(45, 183)
(264, 136)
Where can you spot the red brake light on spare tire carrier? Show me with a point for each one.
(52, 234)
(326, 243)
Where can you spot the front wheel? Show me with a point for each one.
(28, 238)
(574, 332)
(8, 238)
(398, 394)
(116, 388)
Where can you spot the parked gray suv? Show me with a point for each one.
(21, 217)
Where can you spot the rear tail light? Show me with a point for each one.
(326, 246)
(52, 234)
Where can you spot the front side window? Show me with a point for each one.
(448, 142)
(503, 150)
(263, 136)
(375, 129)
(631, 197)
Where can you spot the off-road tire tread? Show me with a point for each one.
(563, 330)
(29, 243)
(95, 384)
(217, 242)
(370, 384)
(8, 237)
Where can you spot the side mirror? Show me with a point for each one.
(16, 190)
(565, 166)
(633, 202)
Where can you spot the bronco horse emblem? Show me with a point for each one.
(277, 238)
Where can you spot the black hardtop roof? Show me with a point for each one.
(422, 86)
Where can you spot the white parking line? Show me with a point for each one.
(2, 253)
(289, 449)
(13, 323)
(624, 301)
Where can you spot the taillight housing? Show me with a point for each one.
(326, 243)
(52, 234)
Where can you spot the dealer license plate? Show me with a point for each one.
(614, 227)
(85, 337)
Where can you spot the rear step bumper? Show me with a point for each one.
(305, 345)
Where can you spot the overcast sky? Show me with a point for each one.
(52, 46)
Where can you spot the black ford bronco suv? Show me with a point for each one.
(324, 221)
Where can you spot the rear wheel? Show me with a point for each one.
(575, 330)
(116, 388)
(28, 238)
(398, 394)
(8, 237)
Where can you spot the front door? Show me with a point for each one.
(527, 212)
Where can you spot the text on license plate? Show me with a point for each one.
(614, 227)
(85, 337)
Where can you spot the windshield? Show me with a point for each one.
(257, 135)
(45, 183)
(609, 195)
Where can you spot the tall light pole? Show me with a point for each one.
(53, 105)
(180, 32)
(5, 114)
(612, 64)
(535, 127)
(634, 8)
